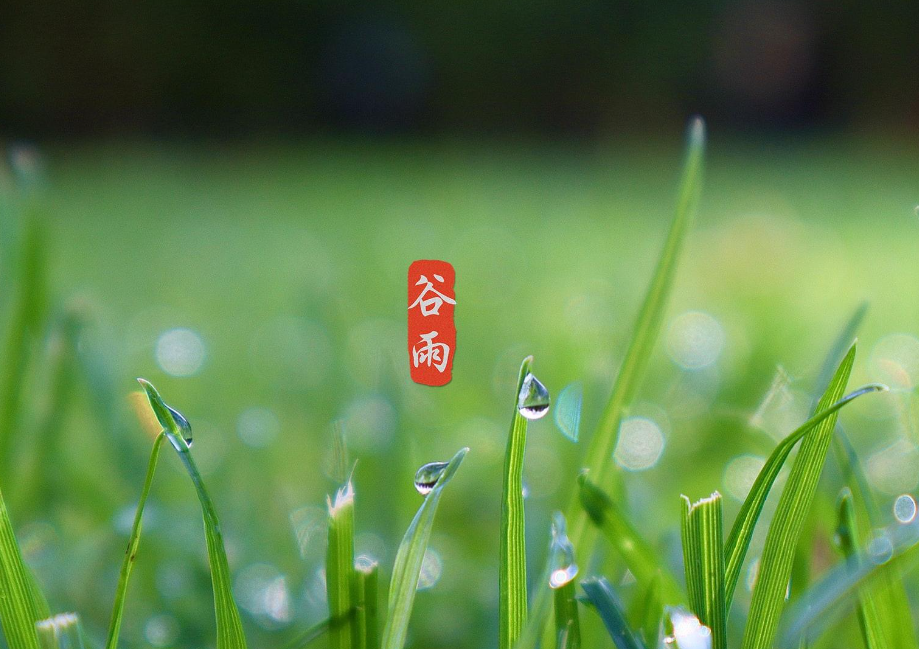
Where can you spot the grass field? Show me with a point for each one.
(262, 287)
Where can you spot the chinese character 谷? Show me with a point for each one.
(431, 353)
(430, 305)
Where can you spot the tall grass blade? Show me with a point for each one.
(703, 559)
(512, 568)
(794, 504)
(638, 555)
(18, 610)
(339, 565)
(738, 541)
(175, 427)
(848, 540)
(410, 557)
(608, 608)
(562, 572)
(60, 632)
(567, 622)
(366, 603)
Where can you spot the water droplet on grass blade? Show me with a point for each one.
(568, 410)
(426, 477)
(904, 508)
(184, 426)
(562, 568)
(533, 400)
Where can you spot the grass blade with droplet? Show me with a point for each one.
(512, 570)
(638, 555)
(738, 542)
(339, 565)
(608, 608)
(229, 626)
(782, 537)
(567, 622)
(703, 559)
(18, 610)
(410, 557)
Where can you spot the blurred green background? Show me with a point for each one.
(228, 199)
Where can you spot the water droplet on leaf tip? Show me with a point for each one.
(426, 477)
(562, 566)
(533, 400)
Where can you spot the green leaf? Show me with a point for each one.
(562, 571)
(178, 432)
(18, 610)
(130, 554)
(567, 622)
(703, 560)
(366, 603)
(607, 606)
(735, 549)
(781, 540)
(638, 555)
(60, 632)
(339, 565)
(512, 568)
(410, 557)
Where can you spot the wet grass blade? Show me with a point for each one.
(794, 504)
(567, 622)
(18, 610)
(512, 570)
(229, 626)
(638, 555)
(339, 565)
(60, 632)
(738, 541)
(366, 603)
(848, 540)
(703, 559)
(130, 553)
(608, 608)
(410, 557)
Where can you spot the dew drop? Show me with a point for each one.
(183, 424)
(562, 568)
(880, 549)
(904, 508)
(533, 400)
(426, 477)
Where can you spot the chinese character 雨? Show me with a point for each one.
(432, 304)
(431, 353)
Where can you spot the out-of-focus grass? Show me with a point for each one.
(288, 263)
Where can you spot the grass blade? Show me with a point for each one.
(608, 608)
(175, 427)
(339, 565)
(794, 504)
(18, 610)
(703, 558)
(366, 603)
(512, 570)
(409, 558)
(738, 542)
(638, 555)
(562, 571)
(60, 632)
(567, 623)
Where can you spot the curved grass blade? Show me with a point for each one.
(229, 626)
(608, 608)
(638, 555)
(794, 504)
(512, 570)
(735, 549)
(130, 553)
(409, 558)
(18, 610)
(703, 558)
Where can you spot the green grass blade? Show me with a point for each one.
(567, 622)
(848, 540)
(738, 541)
(18, 611)
(339, 565)
(409, 558)
(608, 608)
(562, 572)
(229, 626)
(130, 554)
(703, 559)
(512, 568)
(60, 632)
(638, 555)
(366, 603)
(794, 504)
